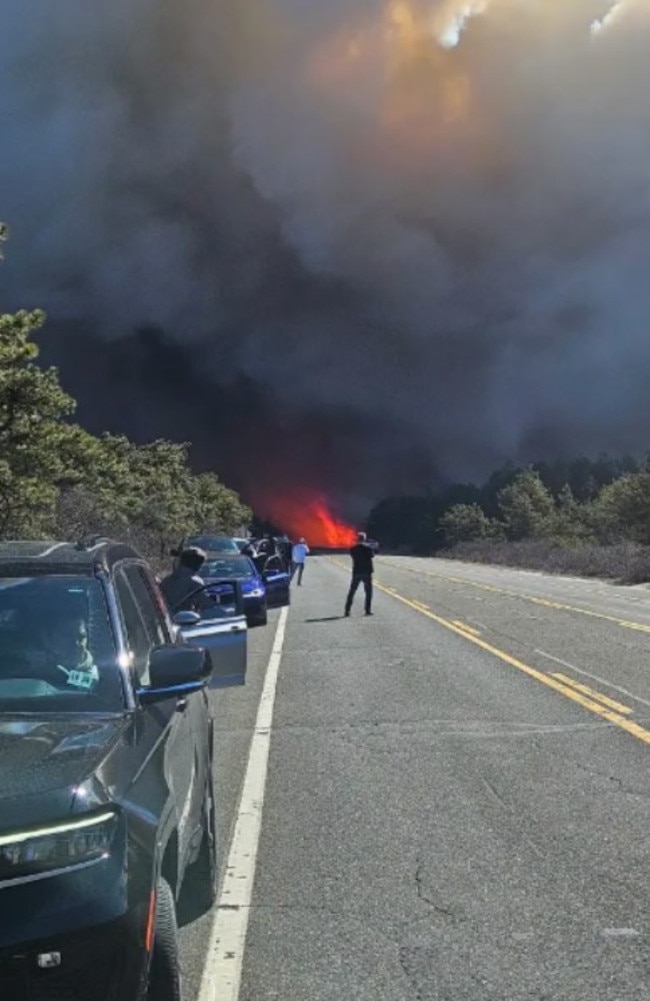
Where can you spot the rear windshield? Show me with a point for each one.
(57, 649)
(213, 543)
(228, 566)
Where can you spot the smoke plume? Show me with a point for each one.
(387, 242)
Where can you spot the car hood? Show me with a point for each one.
(43, 759)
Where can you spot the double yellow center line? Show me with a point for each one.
(639, 627)
(594, 702)
(606, 708)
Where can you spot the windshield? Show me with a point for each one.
(213, 543)
(228, 566)
(57, 651)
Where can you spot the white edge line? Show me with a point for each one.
(594, 677)
(224, 960)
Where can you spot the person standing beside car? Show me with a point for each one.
(299, 554)
(266, 546)
(249, 549)
(180, 587)
(362, 571)
(285, 548)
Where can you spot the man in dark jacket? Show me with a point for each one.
(362, 571)
(183, 588)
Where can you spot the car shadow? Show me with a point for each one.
(188, 908)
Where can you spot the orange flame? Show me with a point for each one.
(312, 520)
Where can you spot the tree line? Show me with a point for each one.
(59, 481)
(582, 502)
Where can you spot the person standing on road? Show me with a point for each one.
(362, 571)
(298, 557)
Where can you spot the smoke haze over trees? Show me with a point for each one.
(59, 481)
(396, 241)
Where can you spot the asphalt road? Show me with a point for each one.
(457, 799)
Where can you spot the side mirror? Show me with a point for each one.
(174, 671)
(185, 619)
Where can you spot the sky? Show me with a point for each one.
(349, 248)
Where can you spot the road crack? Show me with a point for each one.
(405, 955)
(444, 911)
(618, 782)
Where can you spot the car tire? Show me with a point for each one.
(165, 970)
(260, 620)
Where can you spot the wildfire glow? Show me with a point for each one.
(312, 520)
(409, 97)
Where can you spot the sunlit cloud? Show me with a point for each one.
(602, 23)
(449, 21)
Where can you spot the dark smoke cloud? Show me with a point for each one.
(359, 245)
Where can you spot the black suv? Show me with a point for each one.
(106, 797)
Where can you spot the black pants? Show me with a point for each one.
(297, 568)
(366, 580)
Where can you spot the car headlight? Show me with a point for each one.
(75, 842)
(254, 592)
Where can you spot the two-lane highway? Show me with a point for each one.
(453, 794)
(592, 632)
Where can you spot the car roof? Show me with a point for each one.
(26, 557)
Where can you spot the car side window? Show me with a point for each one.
(151, 613)
(137, 634)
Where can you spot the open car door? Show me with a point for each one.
(276, 582)
(222, 630)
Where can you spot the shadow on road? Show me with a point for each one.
(330, 618)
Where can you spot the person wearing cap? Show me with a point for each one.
(362, 571)
(180, 586)
(298, 557)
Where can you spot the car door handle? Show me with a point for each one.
(181, 705)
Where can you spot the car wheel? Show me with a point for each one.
(259, 620)
(165, 971)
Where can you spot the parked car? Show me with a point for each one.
(261, 588)
(107, 808)
(209, 544)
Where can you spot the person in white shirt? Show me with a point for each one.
(298, 557)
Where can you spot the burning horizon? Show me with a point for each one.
(311, 519)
